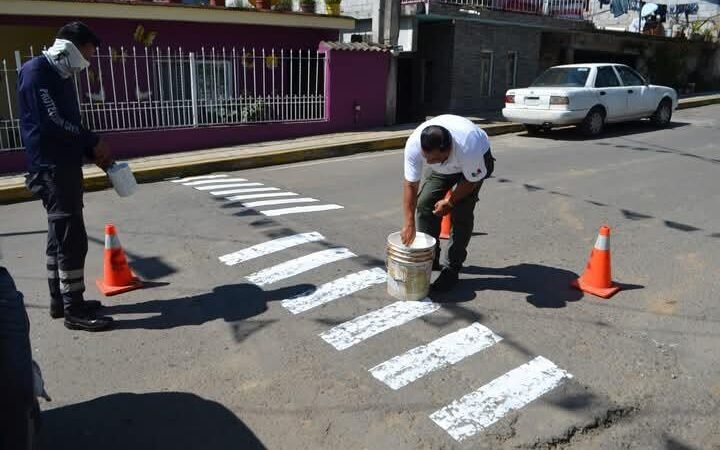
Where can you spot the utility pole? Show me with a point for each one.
(391, 32)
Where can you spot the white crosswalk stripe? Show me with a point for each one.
(211, 187)
(232, 191)
(334, 290)
(279, 201)
(420, 361)
(478, 410)
(364, 327)
(299, 265)
(299, 209)
(214, 181)
(199, 177)
(240, 198)
(244, 191)
(267, 248)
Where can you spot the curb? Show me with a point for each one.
(98, 181)
(16, 193)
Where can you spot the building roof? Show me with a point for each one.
(126, 9)
(355, 46)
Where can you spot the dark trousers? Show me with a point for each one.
(434, 188)
(61, 192)
(16, 378)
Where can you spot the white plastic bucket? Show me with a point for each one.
(122, 179)
(409, 268)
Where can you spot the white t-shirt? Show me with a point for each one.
(467, 156)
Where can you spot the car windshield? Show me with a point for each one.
(563, 77)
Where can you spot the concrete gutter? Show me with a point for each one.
(157, 168)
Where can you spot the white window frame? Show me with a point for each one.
(490, 75)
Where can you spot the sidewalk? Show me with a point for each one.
(155, 168)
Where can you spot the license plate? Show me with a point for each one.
(532, 101)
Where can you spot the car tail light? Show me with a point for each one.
(559, 100)
(509, 99)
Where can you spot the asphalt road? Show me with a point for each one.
(203, 358)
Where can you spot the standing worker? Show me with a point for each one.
(458, 153)
(56, 142)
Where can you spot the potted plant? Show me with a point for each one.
(332, 7)
(307, 6)
(283, 5)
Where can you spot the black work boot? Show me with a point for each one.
(57, 309)
(85, 320)
(447, 279)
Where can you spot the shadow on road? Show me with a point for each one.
(611, 131)
(232, 303)
(159, 420)
(546, 287)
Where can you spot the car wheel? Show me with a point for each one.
(594, 123)
(663, 114)
(533, 130)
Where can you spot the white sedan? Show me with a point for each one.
(589, 95)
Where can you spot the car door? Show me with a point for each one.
(641, 98)
(611, 93)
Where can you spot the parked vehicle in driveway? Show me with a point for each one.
(590, 96)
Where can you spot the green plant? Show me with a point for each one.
(254, 112)
(283, 5)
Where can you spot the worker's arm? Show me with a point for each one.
(410, 192)
(462, 190)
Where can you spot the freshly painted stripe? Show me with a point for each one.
(245, 190)
(240, 198)
(214, 181)
(448, 350)
(200, 177)
(239, 185)
(280, 201)
(357, 330)
(478, 410)
(210, 187)
(299, 265)
(335, 289)
(269, 247)
(299, 209)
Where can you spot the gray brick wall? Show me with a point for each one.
(471, 39)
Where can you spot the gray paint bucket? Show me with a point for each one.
(409, 268)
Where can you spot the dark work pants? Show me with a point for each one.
(16, 378)
(61, 191)
(434, 188)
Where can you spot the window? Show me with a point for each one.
(606, 78)
(563, 77)
(511, 69)
(629, 77)
(486, 72)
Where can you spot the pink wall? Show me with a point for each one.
(355, 90)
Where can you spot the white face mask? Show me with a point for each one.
(66, 58)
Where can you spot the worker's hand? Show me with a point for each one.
(407, 234)
(442, 208)
(103, 158)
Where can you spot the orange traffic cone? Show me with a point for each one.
(446, 224)
(117, 277)
(597, 278)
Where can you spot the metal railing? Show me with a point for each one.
(153, 88)
(566, 9)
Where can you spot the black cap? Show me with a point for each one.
(435, 137)
(79, 34)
